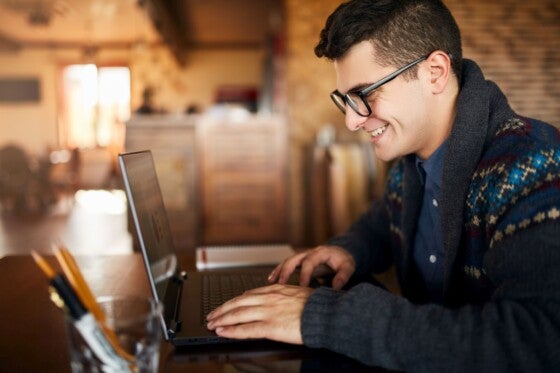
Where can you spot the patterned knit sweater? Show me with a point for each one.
(500, 213)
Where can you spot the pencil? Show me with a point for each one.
(74, 275)
(61, 292)
(66, 298)
(42, 263)
(72, 271)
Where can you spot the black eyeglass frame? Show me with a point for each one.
(365, 92)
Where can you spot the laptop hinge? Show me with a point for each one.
(180, 277)
(173, 297)
(174, 327)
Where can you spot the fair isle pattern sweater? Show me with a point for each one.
(500, 209)
(531, 177)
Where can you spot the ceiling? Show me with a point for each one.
(180, 24)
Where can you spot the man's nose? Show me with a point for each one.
(353, 120)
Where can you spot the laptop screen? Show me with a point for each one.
(150, 218)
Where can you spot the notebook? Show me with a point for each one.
(211, 257)
(186, 298)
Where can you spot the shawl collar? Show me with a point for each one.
(481, 109)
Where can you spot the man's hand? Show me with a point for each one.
(272, 312)
(313, 262)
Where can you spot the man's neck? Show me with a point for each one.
(443, 117)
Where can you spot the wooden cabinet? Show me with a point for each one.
(223, 181)
(172, 140)
(243, 180)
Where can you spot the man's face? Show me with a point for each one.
(400, 119)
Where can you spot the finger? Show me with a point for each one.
(244, 331)
(239, 315)
(289, 266)
(274, 294)
(243, 300)
(273, 276)
(275, 273)
(309, 265)
(340, 279)
(251, 297)
(259, 329)
(254, 297)
(344, 271)
(265, 290)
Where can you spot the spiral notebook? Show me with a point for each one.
(228, 256)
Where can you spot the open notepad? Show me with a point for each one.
(208, 257)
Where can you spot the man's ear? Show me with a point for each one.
(440, 71)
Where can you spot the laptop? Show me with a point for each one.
(186, 298)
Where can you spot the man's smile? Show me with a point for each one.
(378, 131)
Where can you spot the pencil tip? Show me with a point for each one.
(35, 255)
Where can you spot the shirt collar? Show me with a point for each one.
(432, 168)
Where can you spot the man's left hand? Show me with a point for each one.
(272, 312)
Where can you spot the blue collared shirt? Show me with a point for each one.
(428, 244)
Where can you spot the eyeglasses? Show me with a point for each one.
(357, 100)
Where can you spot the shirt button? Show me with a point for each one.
(432, 259)
(434, 202)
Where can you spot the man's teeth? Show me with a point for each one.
(379, 131)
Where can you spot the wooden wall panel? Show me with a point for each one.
(243, 180)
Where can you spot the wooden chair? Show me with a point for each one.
(23, 185)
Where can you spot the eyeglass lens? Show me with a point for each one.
(356, 103)
(339, 101)
(351, 99)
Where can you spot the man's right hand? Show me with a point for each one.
(312, 262)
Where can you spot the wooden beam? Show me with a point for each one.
(7, 44)
(170, 24)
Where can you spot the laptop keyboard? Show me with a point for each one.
(219, 288)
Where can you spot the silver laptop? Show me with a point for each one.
(186, 297)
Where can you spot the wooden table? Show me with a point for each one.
(33, 336)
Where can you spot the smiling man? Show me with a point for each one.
(470, 216)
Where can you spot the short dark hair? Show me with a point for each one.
(400, 30)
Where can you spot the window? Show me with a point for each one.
(96, 103)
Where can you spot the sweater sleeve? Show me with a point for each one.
(518, 329)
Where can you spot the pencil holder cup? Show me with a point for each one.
(127, 341)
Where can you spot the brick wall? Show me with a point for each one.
(517, 45)
(516, 42)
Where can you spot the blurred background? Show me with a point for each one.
(231, 100)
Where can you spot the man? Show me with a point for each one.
(470, 216)
(147, 106)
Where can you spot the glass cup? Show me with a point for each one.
(137, 328)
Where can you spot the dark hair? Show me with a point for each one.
(400, 30)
